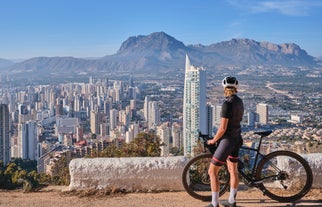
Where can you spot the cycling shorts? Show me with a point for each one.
(228, 148)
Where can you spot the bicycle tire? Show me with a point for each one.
(195, 178)
(290, 176)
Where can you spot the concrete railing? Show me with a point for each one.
(145, 174)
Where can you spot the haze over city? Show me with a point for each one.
(98, 28)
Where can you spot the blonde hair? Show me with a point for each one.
(229, 91)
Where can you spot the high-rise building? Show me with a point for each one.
(113, 119)
(66, 125)
(164, 132)
(124, 118)
(194, 106)
(27, 141)
(95, 122)
(132, 132)
(146, 108)
(176, 133)
(209, 119)
(217, 115)
(118, 88)
(251, 118)
(4, 134)
(154, 114)
(262, 111)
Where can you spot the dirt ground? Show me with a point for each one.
(57, 196)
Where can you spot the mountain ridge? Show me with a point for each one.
(160, 52)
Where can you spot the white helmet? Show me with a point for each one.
(230, 82)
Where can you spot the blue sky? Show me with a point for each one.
(95, 28)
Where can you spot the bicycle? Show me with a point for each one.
(281, 175)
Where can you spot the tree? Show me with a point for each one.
(60, 172)
(144, 145)
(176, 151)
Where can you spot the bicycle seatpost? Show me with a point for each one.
(262, 134)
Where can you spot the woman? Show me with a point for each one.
(229, 141)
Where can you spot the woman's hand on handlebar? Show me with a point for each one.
(211, 141)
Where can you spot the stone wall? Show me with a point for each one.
(315, 162)
(146, 174)
(135, 173)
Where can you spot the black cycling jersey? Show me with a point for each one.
(231, 141)
(233, 109)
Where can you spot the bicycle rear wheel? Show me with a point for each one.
(286, 176)
(196, 180)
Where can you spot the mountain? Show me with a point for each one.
(160, 52)
(5, 63)
(250, 52)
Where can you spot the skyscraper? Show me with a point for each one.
(209, 119)
(262, 111)
(194, 106)
(146, 108)
(95, 122)
(4, 134)
(154, 114)
(164, 132)
(217, 115)
(27, 140)
(251, 118)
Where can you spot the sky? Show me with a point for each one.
(95, 28)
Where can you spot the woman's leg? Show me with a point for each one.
(214, 183)
(234, 180)
(233, 171)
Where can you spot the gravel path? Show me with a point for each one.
(58, 197)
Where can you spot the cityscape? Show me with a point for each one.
(78, 119)
(103, 103)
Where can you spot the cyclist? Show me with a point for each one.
(229, 141)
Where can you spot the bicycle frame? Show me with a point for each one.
(251, 180)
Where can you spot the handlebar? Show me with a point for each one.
(205, 138)
(212, 148)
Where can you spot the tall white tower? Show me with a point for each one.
(194, 106)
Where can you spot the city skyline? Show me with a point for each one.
(95, 29)
(56, 109)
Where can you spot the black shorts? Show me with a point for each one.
(228, 148)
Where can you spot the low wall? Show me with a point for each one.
(145, 173)
(315, 162)
(134, 173)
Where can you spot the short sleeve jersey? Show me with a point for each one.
(233, 109)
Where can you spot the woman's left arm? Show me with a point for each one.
(221, 131)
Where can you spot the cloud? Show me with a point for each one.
(287, 7)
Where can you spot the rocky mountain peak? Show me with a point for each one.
(156, 41)
(286, 48)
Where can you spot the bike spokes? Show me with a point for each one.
(285, 176)
(196, 179)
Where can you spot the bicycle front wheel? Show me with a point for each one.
(196, 180)
(285, 176)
